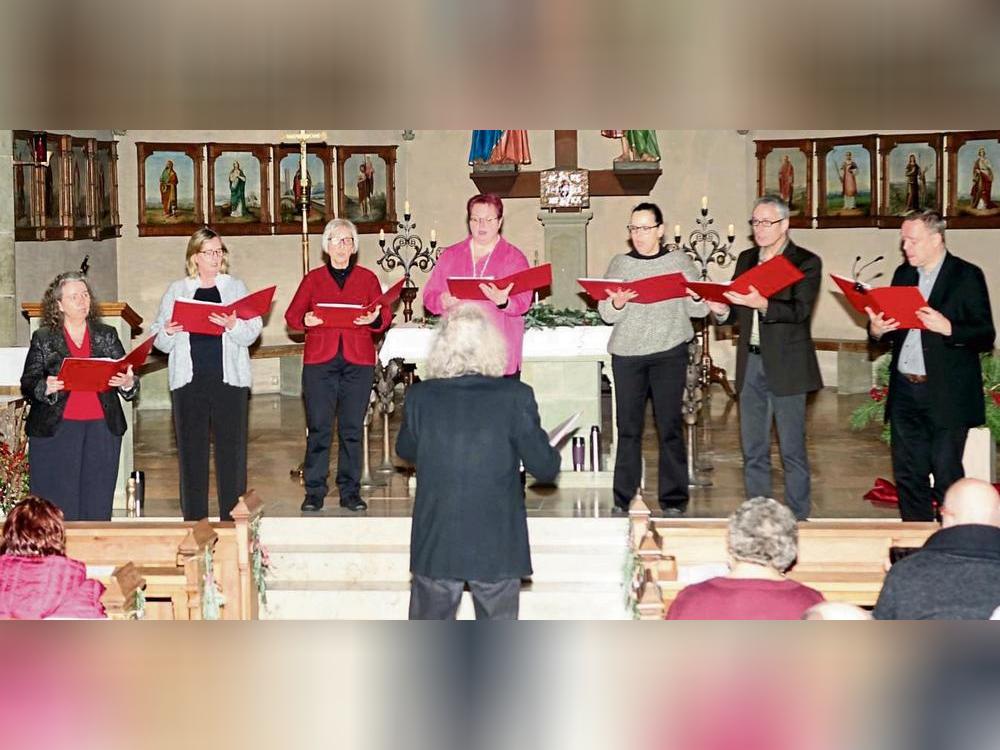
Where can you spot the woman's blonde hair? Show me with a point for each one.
(199, 238)
(467, 343)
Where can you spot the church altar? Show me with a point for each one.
(563, 365)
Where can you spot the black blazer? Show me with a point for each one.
(954, 375)
(468, 436)
(786, 344)
(45, 355)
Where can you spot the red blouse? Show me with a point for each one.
(81, 405)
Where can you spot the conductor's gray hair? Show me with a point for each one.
(764, 531)
(467, 343)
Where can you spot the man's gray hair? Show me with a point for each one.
(769, 200)
(336, 224)
(467, 343)
(931, 219)
(764, 531)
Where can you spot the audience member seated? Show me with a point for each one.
(836, 611)
(763, 544)
(956, 574)
(37, 580)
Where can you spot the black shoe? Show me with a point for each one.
(311, 504)
(354, 503)
(674, 512)
(619, 510)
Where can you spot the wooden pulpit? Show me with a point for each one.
(128, 324)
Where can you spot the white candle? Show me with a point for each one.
(406, 207)
(434, 235)
(381, 235)
(677, 230)
(732, 230)
(704, 202)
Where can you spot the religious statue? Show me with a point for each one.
(849, 180)
(499, 147)
(982, 182)
(916, 184)
(168, 189)
(786, 180)
(483, 143)
(237, 191)
(637, 145)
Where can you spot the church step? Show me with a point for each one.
(303, 600)
(365, 530)
(392, 563)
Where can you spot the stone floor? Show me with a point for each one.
(844, 464)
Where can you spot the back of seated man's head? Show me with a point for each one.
(971, 501)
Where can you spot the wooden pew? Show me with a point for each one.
(844, 560)
(120, 592)
(170, 556)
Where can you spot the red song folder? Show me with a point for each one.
(650, 289)
(528, 280)
(342, 314)
(93, 374)
(193, 314)
(768, 278)
(899, 302)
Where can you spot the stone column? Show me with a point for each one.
(8, 311)
(566, 250)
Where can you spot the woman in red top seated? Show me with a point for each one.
(37, 580)
(763, 543)
(75, 437)
(338, 364)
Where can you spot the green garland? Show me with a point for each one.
(211, 598)
(15, 480)
(542, 315)
(260, 560)
(138, 609)
(874, 409)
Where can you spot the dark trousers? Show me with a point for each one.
(77, 468)
(204, 409)
(758, 408)
(341, 388)
(663, 375)
(919, 448)
(438, 598)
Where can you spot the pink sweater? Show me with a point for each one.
(503, 261)
(33, 588)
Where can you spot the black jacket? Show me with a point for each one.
(786, 344)
(954, 576)
(468, 437)
(45, 356)
(954, 375)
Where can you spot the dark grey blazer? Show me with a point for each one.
(468, 436)
(45, 356)
(786, 344)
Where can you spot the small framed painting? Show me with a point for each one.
(848, 180)
(170, 188)
(238, 188)
(366, 187)
(911, 175)
(288, 187)
(785, 170)
(972, 162)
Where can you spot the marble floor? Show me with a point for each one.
(844, 464)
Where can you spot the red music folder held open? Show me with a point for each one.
(649, 290)
(528, 280)
(193, 314)
(899, 302)
(342, 314)
(768, 278)
(93, 373)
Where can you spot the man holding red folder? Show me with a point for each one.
(776, 363)
(936, 382)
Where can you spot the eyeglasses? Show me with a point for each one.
(342, 242)
(766, 223)
(483, 221)
(212, 253)
(638, 229)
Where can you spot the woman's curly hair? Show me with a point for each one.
(52, 316)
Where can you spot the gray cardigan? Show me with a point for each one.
(235, 356)
(648, 329)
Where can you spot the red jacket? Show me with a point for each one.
(322, 344)
(33, 588)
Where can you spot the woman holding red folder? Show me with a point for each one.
(74, 438)
(485, 254)
(649, 354)
(337, 365)
(209, 378)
